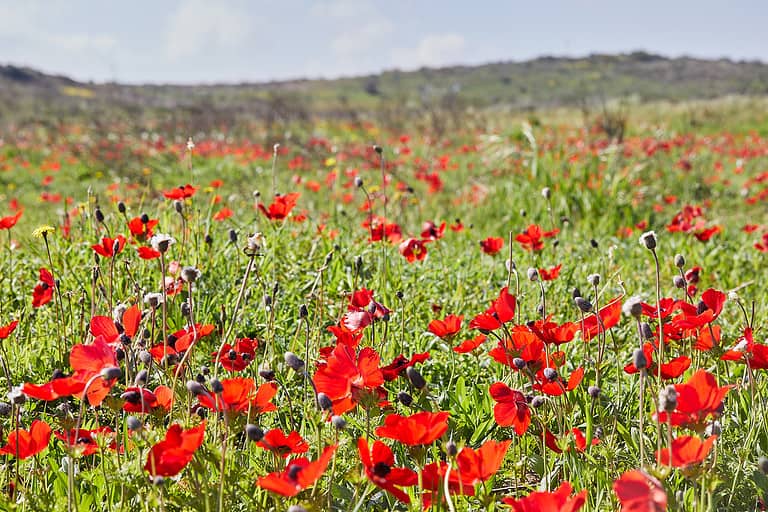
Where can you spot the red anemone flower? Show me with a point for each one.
(558, 386)
(396, 368)
(84, 441)
(671, 370)
(7, 329)
(532, 238)
(610, 314)
(549, 274)
(298, 474)
(283, 445)
(747, 351)
(110, 247)
(148, 253)
(430, 231)
(502, 310)
(686, 451)
(559, 500)
(697, 399)
(106, 326)
(511, 409)
(418, 429)
(413, 249)
(469, 345)
(281, 207)
(240, 394)
(180, 192)
(551, 333)
(237, 358)
(10, 221)
(175, 451)
(141, 230)
(378, 463)
(433, 483)
(142, 400)
(446, 328)
(639, 492)
(479, 465)
(492, 245)
(26, 443)
(223, 214)
(43, 292)
(347, 376)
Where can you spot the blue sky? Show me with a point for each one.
(192, 41)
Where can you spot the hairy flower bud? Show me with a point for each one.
(415, 378)
(639, 359)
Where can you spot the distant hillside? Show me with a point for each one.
(26, 94)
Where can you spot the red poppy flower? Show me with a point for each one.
(559, 500)
(697, 399)
(511, 409)
(671, 370)
(558, 386)
(413, 249)
(433, 483)
(43, 292)
(10, 221)
(446, 328)
(345, 336)
(692, 318)
(549, 274)
(281, 207)
(400, 363)
(148, 253)
(363, 310)
(523, 344)
(142, 400)
(610, 315)
(532, 238)
(240, 394)
(639, 492)
(418, 429)
(470, 345)
(175, 451)
(237, 358)
(180, 192)
(747, 351)
(84, 441)
(283, 445)
(106, 327)
(223, 214)
(492, 245)
(686, 450)
(378, 464)
(6, 330)
(26, 443)
(298, 474)
(380, 229)
(668, 306)
(502, 310)
(141, 230)
(346, 377)
(479, 465)
(110, 247)
(551, 333)
(430, 231)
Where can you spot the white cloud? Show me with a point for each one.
(198, 23)
(432, 50)
(361, 39)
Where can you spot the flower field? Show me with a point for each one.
(529, 318)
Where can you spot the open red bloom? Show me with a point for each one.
(413, 249)
(747, 351)
(694, 318)
(549, 274)
(142, 400)
(378, 463)
(283, 445)
(492, 245)
(43, 292)
(141, 230)
(511, 409)
(148, 253)
(175, 451)
(26, 443)
(223, 214)
(552, 333)
(237, 358)
(240, 394)
(346, 376)
(10, 221)
(430, 231)
(639, 492)
(433, 483)
(298, 474)
(418, 429)
(281, 207)
(106, 327)
(523, 344)
(7, 329)
(109, 247)
(363, 310)
(671, 370)
(446, 328)
(181, 192)
(559, 500)
(558, 385)
(85, 440)
(479, 465)
(686, 450)
(469, 345)
(398, 366)
(532, 238)
(697, 399)
(610, 314)
(502, 310)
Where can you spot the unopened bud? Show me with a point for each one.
(293, 361)
(649, 240)
(583, 304)
(216, 386)
(593, 279)
(404, 398)
(324, 402)
(141, 378)
(339, 422)
(679, 261)
(111, 373)
(415, 378)
(639, 359)
(254, 432)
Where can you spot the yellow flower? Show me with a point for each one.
(43, 231)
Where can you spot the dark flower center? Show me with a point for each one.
(381, 469)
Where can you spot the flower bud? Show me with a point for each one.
(678, 281)
(339, 422)
(533, 274)
(141, 378)
(550, 373)
(232, 236)
(679, 261)
(111, 373)
(583, 304)
(404, 398)
(196, 388)
(668, 398)
(293, 361)
(537, 401)
(645, 331)
(358, 181)
(254, 432)
(649, 240)
(216, 386)
(121, 207)
(593, 391)
(415, 378)
(451, 449)
(633, 306)
(133, 423)
(519, 363)
(593, 279)
(639, 359)
(99, 215)
(762, 463)
(178, 206)
(324, 402)
(303, 312)
(546, 193)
